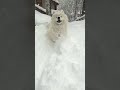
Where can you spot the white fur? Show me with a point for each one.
(57, 30)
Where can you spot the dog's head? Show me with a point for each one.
(59, 17)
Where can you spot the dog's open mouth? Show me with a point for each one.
(59, 21)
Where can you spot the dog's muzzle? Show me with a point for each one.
(59, 21)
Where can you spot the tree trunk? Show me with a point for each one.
(82, 7)
(76, 9)
(48, 7)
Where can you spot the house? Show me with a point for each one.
(40, 5)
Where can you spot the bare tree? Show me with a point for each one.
(76, 9)
(73, 8)
(48, 7)
(82, 3)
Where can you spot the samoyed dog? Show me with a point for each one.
(57, 28)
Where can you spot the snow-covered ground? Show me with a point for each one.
(59, 71)
(41, 18)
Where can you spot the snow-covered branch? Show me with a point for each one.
(39, 7)
(80, 18)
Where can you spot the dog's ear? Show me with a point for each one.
(62, 11)
(53, 11)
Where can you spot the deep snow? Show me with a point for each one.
(41, 18)
(59, 71)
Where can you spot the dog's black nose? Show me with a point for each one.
(58, 17)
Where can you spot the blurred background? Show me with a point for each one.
(75, 9)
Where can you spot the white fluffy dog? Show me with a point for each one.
(58, 26)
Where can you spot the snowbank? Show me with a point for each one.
(41, 18)
(65, 70)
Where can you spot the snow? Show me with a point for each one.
(60, 71)
(41, 18)
(56, 1)
(41, 8)
(81, 17)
